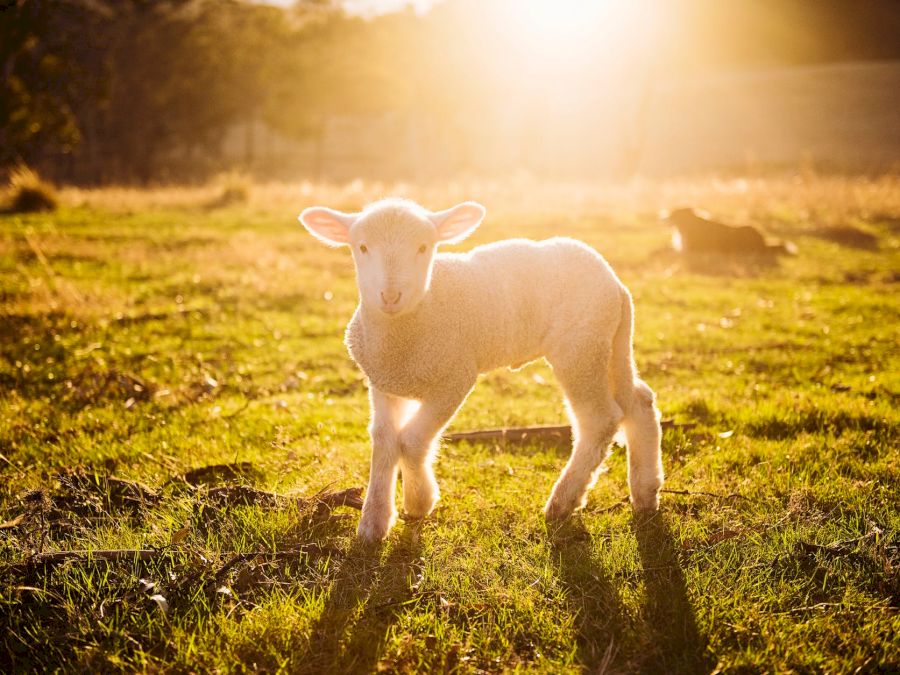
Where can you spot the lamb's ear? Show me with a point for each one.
(454, 225)
(327, 225)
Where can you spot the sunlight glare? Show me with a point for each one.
(555, 23)
(547, 34)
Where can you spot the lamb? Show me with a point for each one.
(428, 323)
(693, 232)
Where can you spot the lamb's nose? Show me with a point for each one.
(391, 297)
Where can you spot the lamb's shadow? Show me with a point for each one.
(674, 643)
(591, 596)
(347, 639)
(663, 637)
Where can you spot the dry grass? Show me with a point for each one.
(828, 199)
(29, 193)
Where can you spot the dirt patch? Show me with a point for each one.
(213, 474)
(183, 575)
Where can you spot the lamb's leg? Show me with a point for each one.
(379, 511)
(418, 445)
(595, 417)
(643, 434)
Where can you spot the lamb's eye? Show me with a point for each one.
(363, 248)
(423, 248)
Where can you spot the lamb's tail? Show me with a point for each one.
(622, 365)
(640, 424)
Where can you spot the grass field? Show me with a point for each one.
(145, 335)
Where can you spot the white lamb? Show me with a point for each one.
(427, 324)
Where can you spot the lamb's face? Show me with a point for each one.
(393, 253)
(393, 244)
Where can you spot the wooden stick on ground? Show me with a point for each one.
(696, 493)
(244, 494)
(111, 555)
(130, 554)
(558, 433)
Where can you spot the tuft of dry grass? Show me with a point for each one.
(235, 188)
(29, 193)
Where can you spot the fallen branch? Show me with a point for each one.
(112, 555)
(561, 433)
(351, 497)
(244, 494)
(515, 434)
(714, 495)
(838, 547)
(302, 551)
(15, 522)
(612, 507)
(129, 554)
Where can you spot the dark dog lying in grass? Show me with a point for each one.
(692, 233)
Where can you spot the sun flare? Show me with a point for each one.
(548, 33)
(557, 22)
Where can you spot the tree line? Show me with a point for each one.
(99, 91)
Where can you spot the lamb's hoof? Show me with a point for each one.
(372, 530)
(556, 511)
(415, 514)
(416, 510)
(645, 502)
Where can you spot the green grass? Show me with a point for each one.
(143, 344)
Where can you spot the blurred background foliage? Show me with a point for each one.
(140, 91)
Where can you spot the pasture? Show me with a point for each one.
(147, 334)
